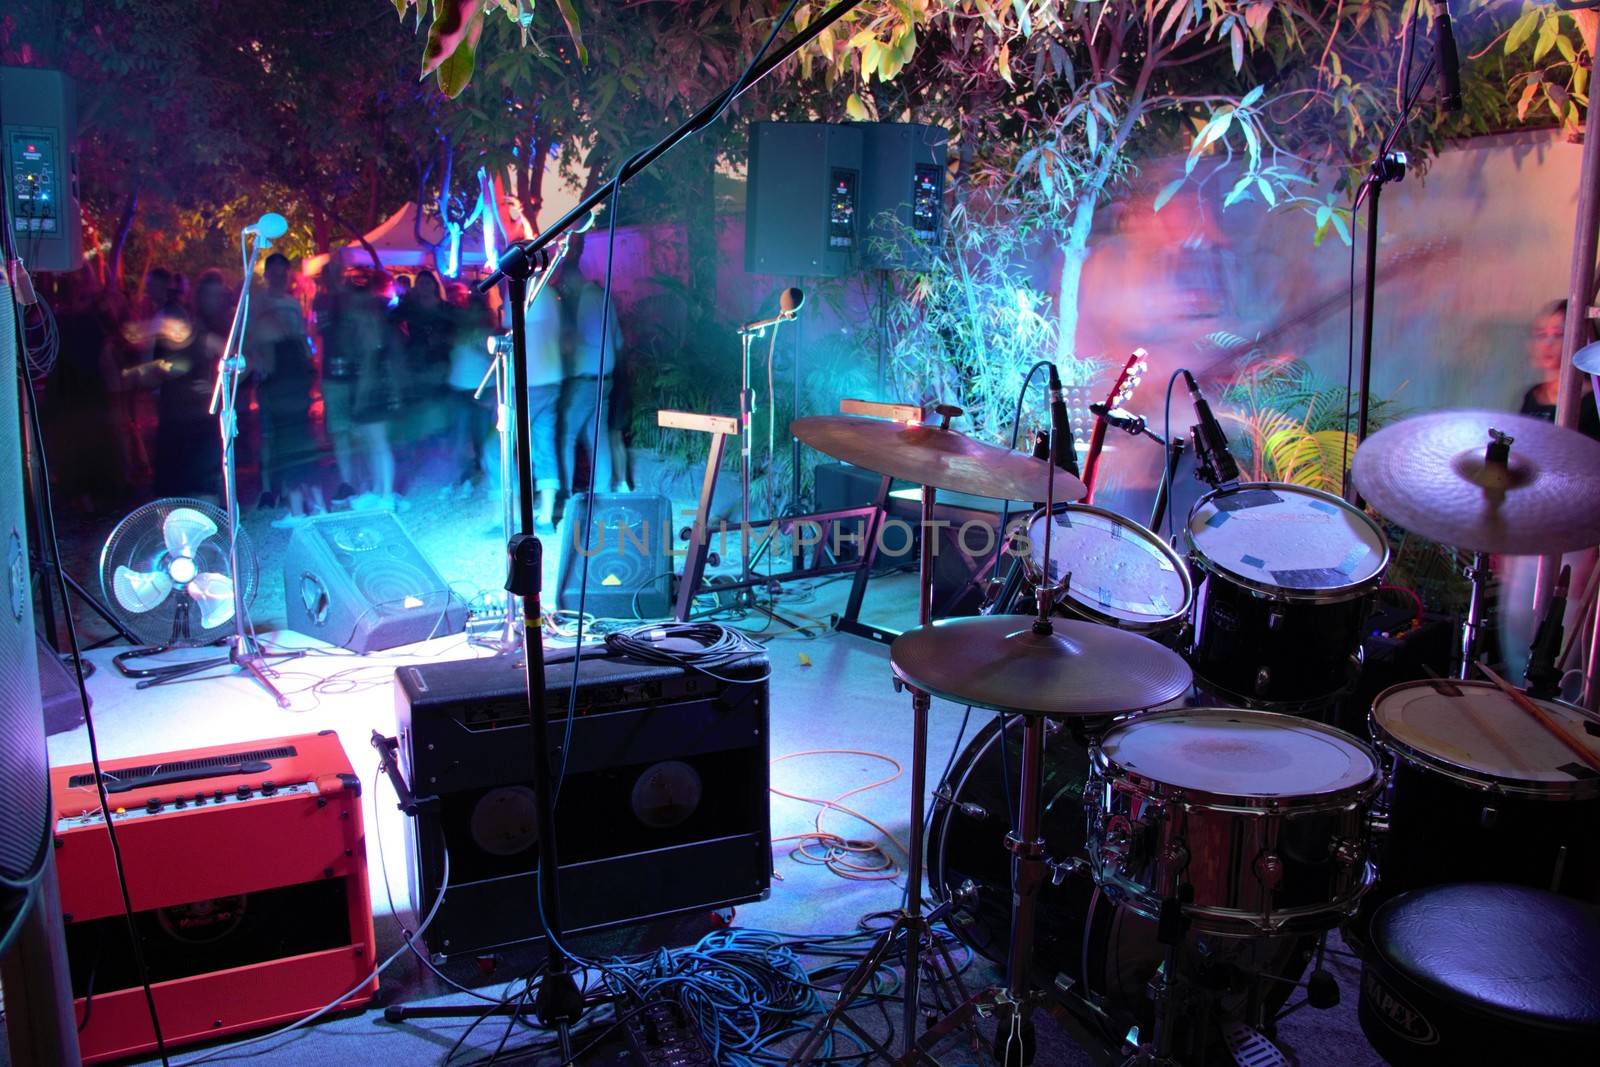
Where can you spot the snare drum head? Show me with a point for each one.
(1119, 569)
(1232, 753)
(1287, 537)
(1483, 734)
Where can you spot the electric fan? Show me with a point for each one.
(165, 572)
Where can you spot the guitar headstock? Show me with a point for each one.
(1128, 379)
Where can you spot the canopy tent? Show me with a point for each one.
(395, 239)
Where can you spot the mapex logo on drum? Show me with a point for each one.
(1396, 1013)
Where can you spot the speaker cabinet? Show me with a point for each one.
(802, 207)
(40, 166)
(663, 809)
(630, 556)
(24, 768)
(357, 580)
(903, 165)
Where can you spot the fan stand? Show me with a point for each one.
(254, 660)
(244, 651)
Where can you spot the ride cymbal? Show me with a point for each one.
(1432, 475)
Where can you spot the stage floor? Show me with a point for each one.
(829, 691)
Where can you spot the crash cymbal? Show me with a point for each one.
(934, 455)
(1429, 474)
(998, 661)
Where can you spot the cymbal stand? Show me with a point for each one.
(1496, 459)
(748, 334)
(1013, 1003)
(910, 926)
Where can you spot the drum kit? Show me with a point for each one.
(1167, 872)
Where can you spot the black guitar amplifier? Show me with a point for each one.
(663, 809)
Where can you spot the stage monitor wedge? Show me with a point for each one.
(802, 211)
(38, 155)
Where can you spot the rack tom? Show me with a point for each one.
(1256, 820)
(1122, 574)
(1286, 579)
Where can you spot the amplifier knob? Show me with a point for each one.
(217, 796)
(243, 792)
(268, 789)
(153, 805)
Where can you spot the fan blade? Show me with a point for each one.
(140, 591)
(214, 593)
(184, 529)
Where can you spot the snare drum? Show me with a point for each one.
(1122, 574)
(1287, 576)
(1259, 818)
(1479, 791)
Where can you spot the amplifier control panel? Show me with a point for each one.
(185, 800)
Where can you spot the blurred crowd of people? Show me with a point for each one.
(359, 388)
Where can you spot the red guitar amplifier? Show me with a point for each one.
(247, 868)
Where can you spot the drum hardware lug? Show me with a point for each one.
(1378, 824)
(966, 896)
(1274, 621)
(1269, 869)
(1345, 852)
(899, 686)
(1489, 817)
(1061, 870)
(1263, 680)
(1025, 850)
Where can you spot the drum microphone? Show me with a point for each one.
(1063, 451)
(1448, 61)
(1216, 465)
(1543, 676)
(1122, 420)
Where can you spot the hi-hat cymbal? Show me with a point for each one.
(1429, 475)
(932, 455)
(1080, 668)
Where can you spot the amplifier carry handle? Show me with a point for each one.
(389, 762)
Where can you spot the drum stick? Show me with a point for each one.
(1585, 616)
(1448, 688)
(1520, 699)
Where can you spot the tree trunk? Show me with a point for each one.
(530, 179)
(1074, 251)
(700, 230)
(119, 240)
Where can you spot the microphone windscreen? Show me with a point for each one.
(272, 226)
(791, 299)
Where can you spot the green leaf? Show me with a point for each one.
(1240, 189)
(401, 7)
(1324, 213)
(1521, 30)
(456, 70)
(1547, 37)
(1252, 96)
(1236, 41)
(1564, 46)
(1342, 226)
(569, 15)
(854, 108)
(1167, 193)
(1266, 192)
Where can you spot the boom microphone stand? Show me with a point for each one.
(244, 650)
(559, 1002)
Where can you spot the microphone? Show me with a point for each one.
(1543, 676)
(1217, 465)
(789, 303)
(1063, 452)
(270, 226)
(1449, 62)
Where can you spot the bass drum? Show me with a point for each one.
(1092, 955)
